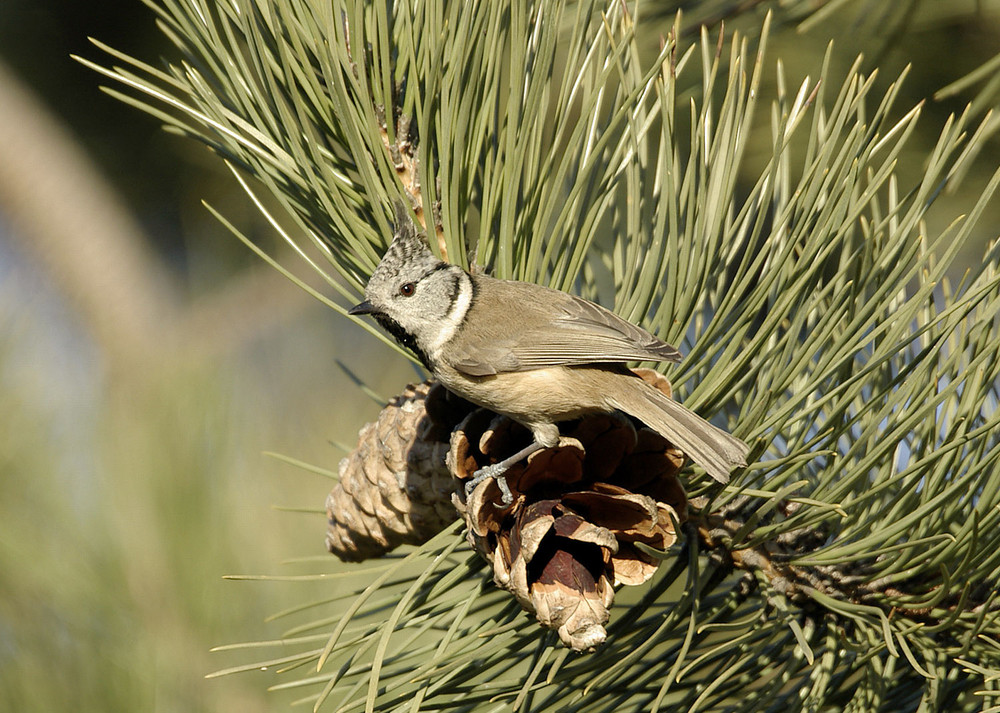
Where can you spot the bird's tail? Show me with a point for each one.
(710, 447)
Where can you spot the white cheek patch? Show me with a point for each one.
(455, 317)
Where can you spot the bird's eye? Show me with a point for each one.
(407, 290)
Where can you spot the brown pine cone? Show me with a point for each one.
(395, 487)
(569, 536)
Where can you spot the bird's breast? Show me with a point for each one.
(538, 396)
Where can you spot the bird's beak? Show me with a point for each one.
(365, 307)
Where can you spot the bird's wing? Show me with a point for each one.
(548, 328)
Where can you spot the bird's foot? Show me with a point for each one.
(496, 472)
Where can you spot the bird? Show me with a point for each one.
(535, 354)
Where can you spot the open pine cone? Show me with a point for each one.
(569, 536)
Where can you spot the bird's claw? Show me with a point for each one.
(496, 472)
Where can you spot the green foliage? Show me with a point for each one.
(117, 517)
(813, 304)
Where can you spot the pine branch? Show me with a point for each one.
(855, 561)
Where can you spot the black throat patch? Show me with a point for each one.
(404, 338)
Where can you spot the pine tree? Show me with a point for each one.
(854, 564)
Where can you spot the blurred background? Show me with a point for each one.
(148, 360)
